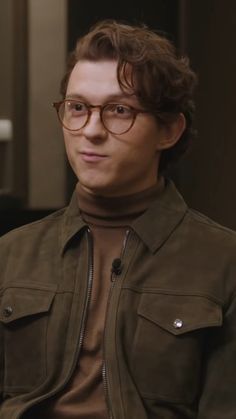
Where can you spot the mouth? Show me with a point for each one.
(89, 156)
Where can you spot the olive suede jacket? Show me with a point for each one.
(170, 335)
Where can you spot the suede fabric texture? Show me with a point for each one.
(170, 334)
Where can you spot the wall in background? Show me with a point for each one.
(33, 47)
(207, 176)
(47, 57)
(6, 97)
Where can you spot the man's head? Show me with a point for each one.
(149, 75)
(163, 82)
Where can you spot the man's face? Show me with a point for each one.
(108, 164)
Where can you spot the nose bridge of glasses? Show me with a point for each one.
(94, 117)
(92, 108)
(97, 109)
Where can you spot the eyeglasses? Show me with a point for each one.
(117, 118)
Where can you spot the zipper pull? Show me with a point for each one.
(116, 268)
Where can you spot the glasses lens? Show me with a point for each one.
(117, 118)
(73, 114)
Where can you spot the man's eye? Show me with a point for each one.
(77, 107)
(119, 109)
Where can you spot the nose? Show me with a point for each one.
(94, 129)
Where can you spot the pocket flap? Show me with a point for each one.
(180, 313)
(19, 302)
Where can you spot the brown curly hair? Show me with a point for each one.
(162, 81)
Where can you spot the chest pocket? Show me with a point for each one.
(23, 319)
(169, 344)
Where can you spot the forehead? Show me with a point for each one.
(94, 79)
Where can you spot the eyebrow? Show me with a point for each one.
(115, 96)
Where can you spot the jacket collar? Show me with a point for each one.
(72, 222)
(163, 216)
(153, 227)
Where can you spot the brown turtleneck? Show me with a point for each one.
(109, 219)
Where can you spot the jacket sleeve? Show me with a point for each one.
(218, 395)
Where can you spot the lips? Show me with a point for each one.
(90, 156)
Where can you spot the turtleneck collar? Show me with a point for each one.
(116, 211)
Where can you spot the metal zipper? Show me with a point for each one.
(89, 289)
(83, 324)
(104, 367)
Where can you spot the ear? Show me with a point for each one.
(171, 132)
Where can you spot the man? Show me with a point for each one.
(122, 305)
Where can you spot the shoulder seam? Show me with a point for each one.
(49, 218)
(203, 219)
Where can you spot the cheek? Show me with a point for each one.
(143, 145)
(69, 146)
(146, 134)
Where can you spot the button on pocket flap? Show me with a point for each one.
(179, 313)
(21, 302)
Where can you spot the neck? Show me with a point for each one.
(119, 210)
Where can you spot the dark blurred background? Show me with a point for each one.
(35, 37)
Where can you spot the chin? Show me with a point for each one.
(94, 187)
